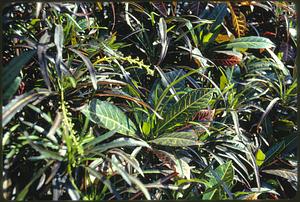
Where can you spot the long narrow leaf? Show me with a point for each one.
(19, 102)
(89, 65)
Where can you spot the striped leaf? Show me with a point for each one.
(185, 108)
(110, 117)
(177, 139)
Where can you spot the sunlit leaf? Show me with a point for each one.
(109, 116)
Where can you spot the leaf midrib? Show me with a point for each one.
(117, 123)
(175, 138)
(177, 114)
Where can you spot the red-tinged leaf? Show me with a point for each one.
(226, 60)
(269, 34)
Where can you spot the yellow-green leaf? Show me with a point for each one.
(260, 157)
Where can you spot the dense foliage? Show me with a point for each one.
(174, 100)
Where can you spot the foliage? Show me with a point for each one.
(149, 100)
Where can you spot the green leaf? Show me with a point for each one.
(278, 62)
(12, 70)
(279, 147)
(141, 186)
(185, 108)
(177, 139)
(11, 90)
(100, 139)
(45, 153)
(260, 157)
(101, 177)
(225, 174)
(146, 128)
(217, 14)
(110, 117)
(254, 42)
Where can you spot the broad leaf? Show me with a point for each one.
(185, 108)
(225, 174)
(110, 117)
(177, 139)
(254, 42)
(260, 157)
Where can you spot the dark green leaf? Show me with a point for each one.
(12, 70)
(89, 65)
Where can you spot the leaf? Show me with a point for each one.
(120, 142)
(42, 52)
(110, 117)
(290, 175)
(199, 58)
(182, 168)
(279, 147)
(99, 139)
(224, 38)
(24, 191)
(11, 90)
(260, 157)
(167, 159)
(47, 154)
(225, 59)
(252, 196)
(118, 166)
(161, 7)
(162, 25)
(103, 179)
(181, 111)
(225, 174)
(140, 185)
(238, 21)
(268, 109)
(174, 163)
(146, 128)
(19, 102)
(59, 42)
(128, 159)
(89, 65)
(254, 42)
(177, 139)
(12, 70)
(217, 14)
(165, 82)
(73, 193)
(278, 62)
